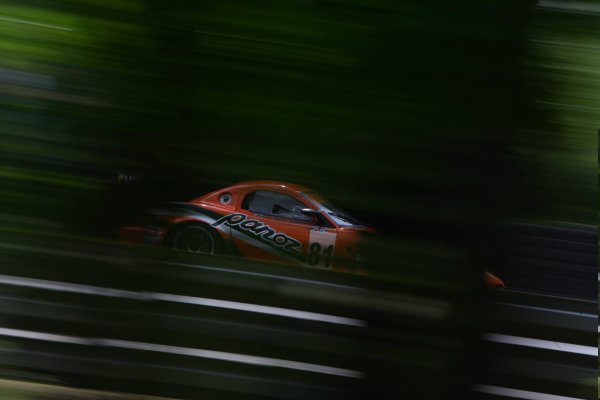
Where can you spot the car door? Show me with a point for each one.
(271, 227)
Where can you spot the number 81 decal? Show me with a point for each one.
(320, 248)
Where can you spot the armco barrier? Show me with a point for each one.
(101, 317)
(538, 347)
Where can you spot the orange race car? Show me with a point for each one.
(264, 220)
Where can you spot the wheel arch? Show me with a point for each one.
(219, 236)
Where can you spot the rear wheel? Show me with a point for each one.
(195, 239)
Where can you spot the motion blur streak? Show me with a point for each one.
(542, 344)
(101, 291)
(21, 390)
(217, 355)
(580, 314)
(520, 394)
(274, 276)
(283, 312)
(20, 21)
(64, 253)
(571, 6)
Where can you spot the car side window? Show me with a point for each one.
(275, 204)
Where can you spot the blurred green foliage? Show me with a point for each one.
(563, 71)
(428, 111)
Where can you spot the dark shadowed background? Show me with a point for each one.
(432, 120)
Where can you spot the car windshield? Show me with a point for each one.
(339, 216)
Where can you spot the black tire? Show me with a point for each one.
(195, 238)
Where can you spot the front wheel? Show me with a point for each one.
(195, 239)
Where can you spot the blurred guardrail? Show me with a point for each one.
(560, 260)
(111, 319)
(539, 347)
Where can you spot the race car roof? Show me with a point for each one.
(273, 184)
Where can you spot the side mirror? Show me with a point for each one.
(309, 212)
